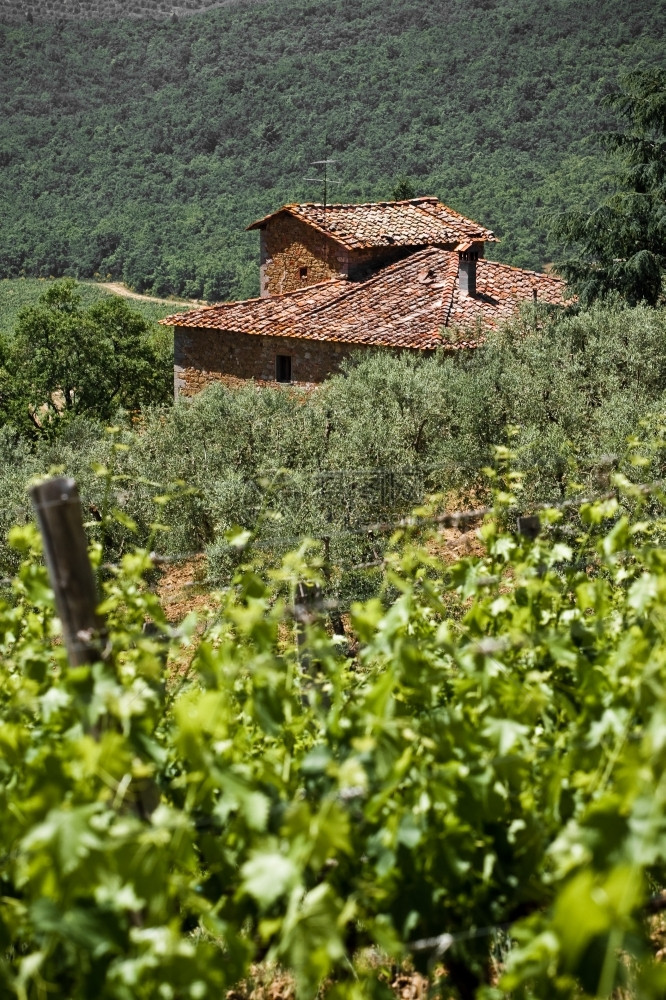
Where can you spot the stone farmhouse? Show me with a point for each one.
(337, 279)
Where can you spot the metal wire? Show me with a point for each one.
(441, 943)
(445, 519)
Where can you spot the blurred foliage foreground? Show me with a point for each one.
(486, 768)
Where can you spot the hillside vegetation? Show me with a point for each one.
(18, 293)
(46, 10)
(367, 446)
(142, 148)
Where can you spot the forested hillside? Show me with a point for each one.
(142, 148)
(45, 10)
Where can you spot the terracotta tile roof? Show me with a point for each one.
(417, 222)
(260, 316)
(500, 289)
(407, 304)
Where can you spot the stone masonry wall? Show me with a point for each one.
(287, 245)
(205, 356)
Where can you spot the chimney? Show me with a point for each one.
(467, 271)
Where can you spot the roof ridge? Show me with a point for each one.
(432, 198)
(523, 270)
(260, 298)
(452, 293)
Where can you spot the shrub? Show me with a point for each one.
(492, 758)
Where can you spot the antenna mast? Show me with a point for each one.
(325, 180)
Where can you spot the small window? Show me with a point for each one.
(283, 368)
(302, 272)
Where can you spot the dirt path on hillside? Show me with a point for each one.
(117, 288)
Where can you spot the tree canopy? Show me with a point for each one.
(370, 443)
(64, 361)
(143, 149)
(621, 245)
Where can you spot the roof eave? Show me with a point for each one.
(260, 223)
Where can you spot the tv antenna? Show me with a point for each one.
(325, 180)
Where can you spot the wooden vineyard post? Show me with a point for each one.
(58, 510)
(529, 526)
(304, 614)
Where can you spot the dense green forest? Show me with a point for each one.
(141, 148)
(54, 10)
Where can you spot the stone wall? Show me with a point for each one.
(288, 246)
(205, 356)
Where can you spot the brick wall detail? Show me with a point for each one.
(205, 356)
(287, 245)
